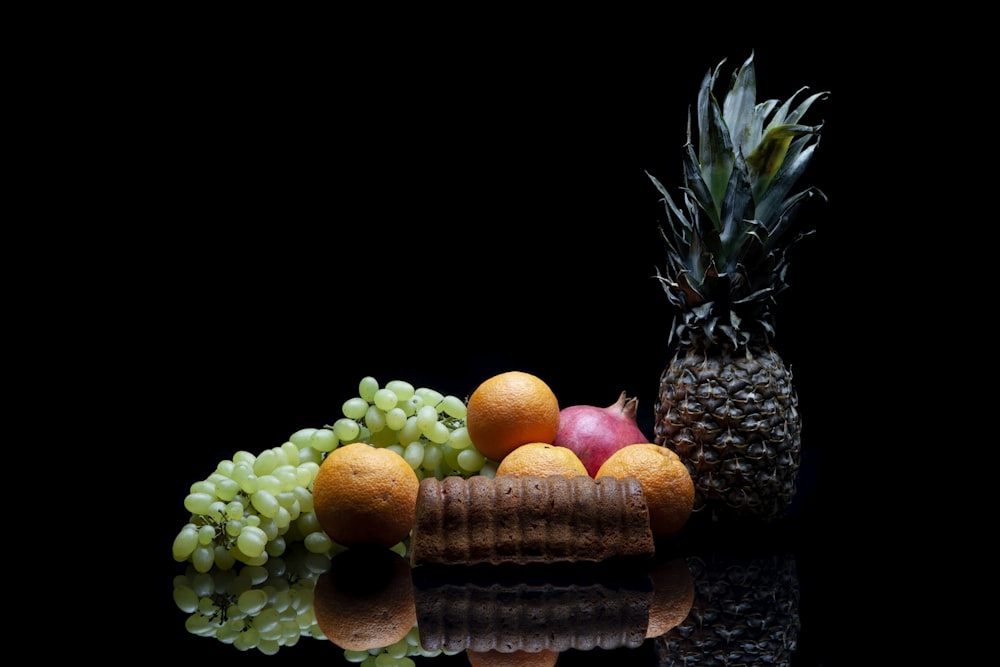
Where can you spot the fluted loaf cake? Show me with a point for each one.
(529, 519)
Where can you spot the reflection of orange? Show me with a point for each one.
(365, 599)
(511, 409)
(542, 459)
(544, 658)
(673, 595)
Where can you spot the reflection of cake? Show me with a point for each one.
(511, 608)
(529, 519)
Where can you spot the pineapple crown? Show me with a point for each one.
(727, 240)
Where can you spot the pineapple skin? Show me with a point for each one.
(732, 416)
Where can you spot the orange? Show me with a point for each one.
(542, 459)
(509, 410)
(365, 600)
(665, 480)
(673, 595)
(543, 658)
(363, 495)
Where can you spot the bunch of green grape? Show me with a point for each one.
(424, 426)
(252, 506)
(263, 607)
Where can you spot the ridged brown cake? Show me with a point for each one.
(575, 606)
(529, 519)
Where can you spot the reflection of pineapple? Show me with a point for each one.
(745, 612)
(726, 403)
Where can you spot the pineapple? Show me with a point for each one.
(726, 403)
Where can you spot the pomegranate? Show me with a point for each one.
(596, 433)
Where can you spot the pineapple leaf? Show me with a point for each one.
(739, 106)
(784, 117)
(727, 257)
(799, 154)
(769, 156)
(696, 184)
(737, 206)
(715, 148)
(789, 208)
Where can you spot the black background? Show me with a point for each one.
(308, 207)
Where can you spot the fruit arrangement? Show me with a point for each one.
(354, 483)
(265, 527)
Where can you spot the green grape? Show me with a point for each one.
(403, 390)
(374, 419)
(318, 542)
(305, 472)
(301, 437)
(186, 542)
(471, 460)
(427, 417)
(450, 458)
(460, 438)
(355, 408)
(203, 557)
(412, 404)
(430, 396)
(252, 541)
(275, 547)
(432, 456)
(438, 433)
(291, 453)
(384, 438)
(410, 431)
(453, 406)
(395, 418)
(206, 535)
(224, 557)
(265, 503)
(367, 388)
(346, 429)
(414, 454)
(198, 502)
(385, 399)
(265, 462)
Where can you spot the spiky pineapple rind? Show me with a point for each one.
(733, 419)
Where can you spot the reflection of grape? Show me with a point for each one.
(399, 654)
(263, 607)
